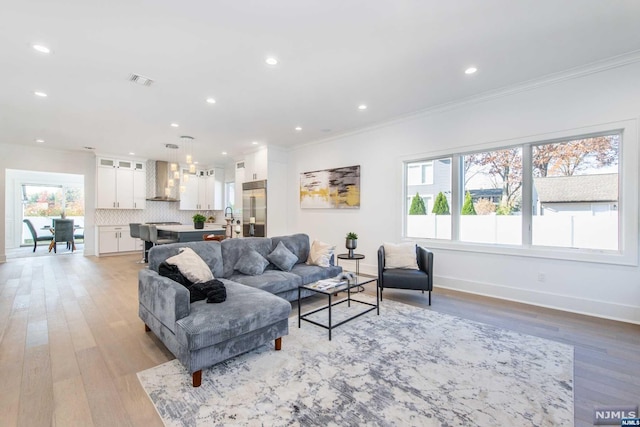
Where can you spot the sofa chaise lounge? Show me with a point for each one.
(255, 312)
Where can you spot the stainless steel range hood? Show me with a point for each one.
(162, 176)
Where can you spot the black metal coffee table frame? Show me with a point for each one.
(360, 281)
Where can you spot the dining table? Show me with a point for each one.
(71, 244)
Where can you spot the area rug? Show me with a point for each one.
(406, 367)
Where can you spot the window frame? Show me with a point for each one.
(628, 189)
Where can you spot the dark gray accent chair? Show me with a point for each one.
(34, 234)
(403, 278)
(63, 232)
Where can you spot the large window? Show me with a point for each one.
(492, 197)
(575, 193)
(41, 203)
(429, 198)
(563, 194)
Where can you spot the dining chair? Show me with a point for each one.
(34, 234)
(63, 232)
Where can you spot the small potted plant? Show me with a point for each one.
(198, 221)
(351, 243)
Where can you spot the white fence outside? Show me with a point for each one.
(587, 232)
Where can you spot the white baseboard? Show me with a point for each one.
(606, 310)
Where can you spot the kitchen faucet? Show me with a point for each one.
(228, 208)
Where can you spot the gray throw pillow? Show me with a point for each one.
(282, 257)
(251, 263)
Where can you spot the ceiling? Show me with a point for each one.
(396, 57)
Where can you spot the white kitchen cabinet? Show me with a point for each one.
(255, 166)
(139, 186)
(120, 184)
(214, 189)
(190, 197)
(116, 238)
(203, 191)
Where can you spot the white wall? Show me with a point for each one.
(602, 97)
(31, 158)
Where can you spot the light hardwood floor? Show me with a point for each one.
(71, 343)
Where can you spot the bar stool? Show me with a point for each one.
(153, 237)
(146, 238)
(134, 231)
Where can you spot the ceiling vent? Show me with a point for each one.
(141, 80)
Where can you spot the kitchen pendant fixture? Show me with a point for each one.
(187, 142)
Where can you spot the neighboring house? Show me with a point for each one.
(492, 194)
(577, 195)
(428, 178)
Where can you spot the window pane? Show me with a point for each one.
(428, 199)
(575, 193)
(492, 197)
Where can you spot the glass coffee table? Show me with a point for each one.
(330, 293)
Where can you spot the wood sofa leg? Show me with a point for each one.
(278, 343)
(197, 378)
(429, 297)
(146, 328)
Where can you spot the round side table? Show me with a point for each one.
(356, 258)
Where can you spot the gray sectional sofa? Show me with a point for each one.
(255, 312)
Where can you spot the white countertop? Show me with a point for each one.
(183, 227)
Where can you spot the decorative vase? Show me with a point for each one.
(198, 225)
(351, 244)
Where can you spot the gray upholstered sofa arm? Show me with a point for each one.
(166, 299)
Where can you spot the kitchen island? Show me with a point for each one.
(187, 233)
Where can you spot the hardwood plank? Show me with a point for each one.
(71, 405)
(36, 393)
(106, 407)
(80, 332)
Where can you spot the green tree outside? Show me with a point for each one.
(441, 206)
(467, 207)
(417, 206)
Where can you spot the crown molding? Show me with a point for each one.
(551, 79)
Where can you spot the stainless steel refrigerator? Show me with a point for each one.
(254, 208)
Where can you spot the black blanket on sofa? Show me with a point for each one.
(213, 291)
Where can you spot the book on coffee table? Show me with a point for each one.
(325, 284)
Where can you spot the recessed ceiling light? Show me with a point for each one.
(39, 141)
(224, 153)
(271, 61)
(255, 142)
(195, 162)
(362, 107)
(40, 48)
(132, 153)
(211, 101)
(174, 125)
(40, 94)
(298, 128)
(470, 70)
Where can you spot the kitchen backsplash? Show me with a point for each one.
(154, 212)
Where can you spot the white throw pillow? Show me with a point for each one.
(402, 255)
(320, 254)
(191, 266)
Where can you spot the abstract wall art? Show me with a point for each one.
(331, 188)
